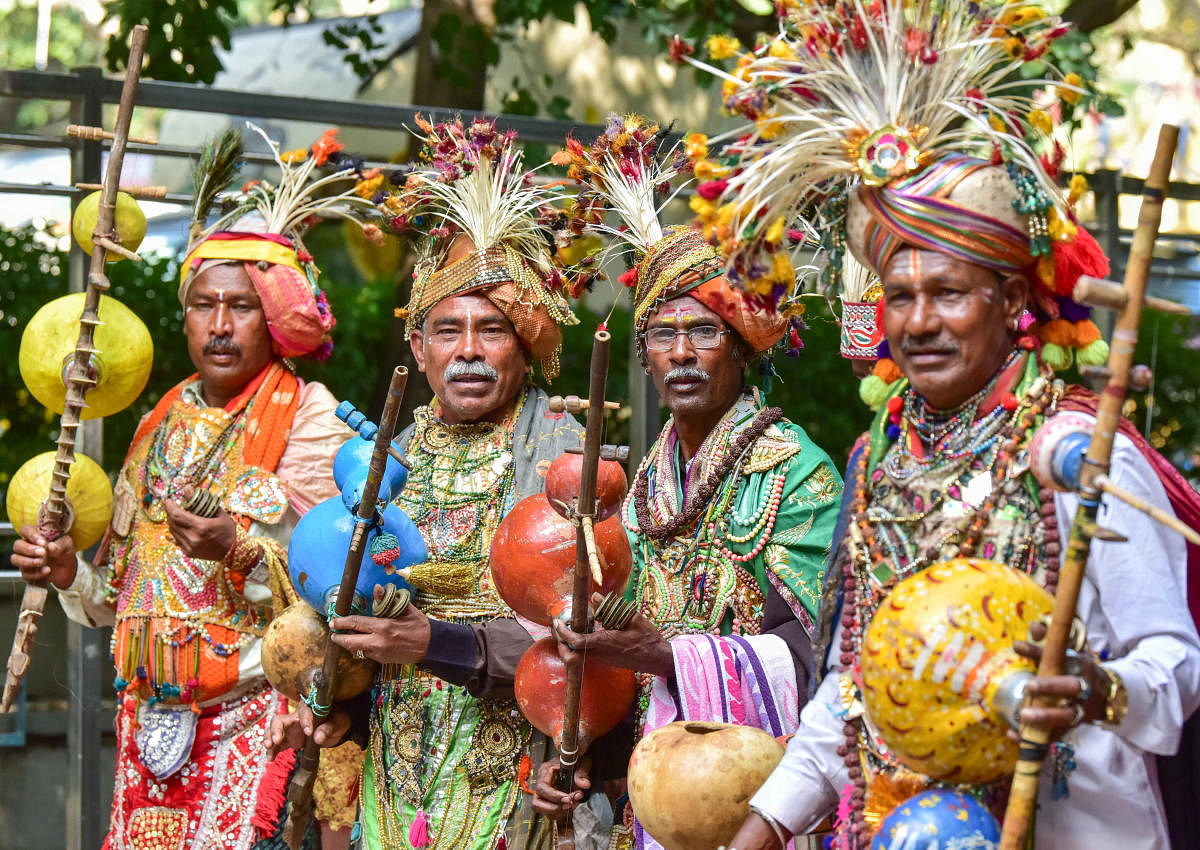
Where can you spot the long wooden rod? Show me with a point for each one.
(1022, 798)
(54, 517)
(301, 787)
(581, 621)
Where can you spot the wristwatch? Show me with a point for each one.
(1116, 701)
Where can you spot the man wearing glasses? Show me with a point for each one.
(730, 517)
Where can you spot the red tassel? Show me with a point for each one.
(629, 278)
(272, 795)
(418, 833)
(1082, 255)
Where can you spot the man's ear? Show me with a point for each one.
(1015, 289)
(416, 342)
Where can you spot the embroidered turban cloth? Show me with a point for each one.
(510, 282)
(684, 263)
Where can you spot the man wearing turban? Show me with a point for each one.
(194, 562)
(445, 740)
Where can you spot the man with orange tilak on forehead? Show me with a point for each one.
(978, 259)
(730, 514)
(193, 564)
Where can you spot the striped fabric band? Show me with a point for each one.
(915, 212)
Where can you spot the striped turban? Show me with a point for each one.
(959, 206)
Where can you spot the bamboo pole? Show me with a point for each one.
(54, 516)
(581, 622)
(300, 788)
(1034, 742)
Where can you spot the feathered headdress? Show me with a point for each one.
(473, 186)
(261, 228)
(892, 112)
(628, 172)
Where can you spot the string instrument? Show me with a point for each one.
(1092, 483)
(325, 683)
(80, 375)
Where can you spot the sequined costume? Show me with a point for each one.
(441, 766)
(194, 705)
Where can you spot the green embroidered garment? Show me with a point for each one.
(768, 524)
(441, 763)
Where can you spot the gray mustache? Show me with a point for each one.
(470, 369)
(926, 345)
(685, 373)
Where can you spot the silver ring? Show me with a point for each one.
(1078, 714)
(1085, 689)
(359, 655)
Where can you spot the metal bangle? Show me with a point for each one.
(774, 824)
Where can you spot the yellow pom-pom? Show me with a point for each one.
(1093, 354)
(873, 391)
(1077, 187)
(1068, 91)
(1040, 120)
(1056, 357)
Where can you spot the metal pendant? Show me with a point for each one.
(165, 736)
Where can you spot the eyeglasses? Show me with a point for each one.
(700, 336)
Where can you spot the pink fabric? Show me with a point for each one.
(306, 465)
(299, 319)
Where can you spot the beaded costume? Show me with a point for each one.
(194, 704)
(925, 125)
(441, 766)
(195, 708)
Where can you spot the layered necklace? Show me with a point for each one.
(994, 448)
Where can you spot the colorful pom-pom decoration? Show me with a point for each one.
(1056, 356)
(873, 391)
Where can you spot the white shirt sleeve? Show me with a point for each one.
(1134, 603)
(85, 600)
(805, 787)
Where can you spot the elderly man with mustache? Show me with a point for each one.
(444, 737)
(730, 517)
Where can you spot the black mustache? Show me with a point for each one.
(222, 345)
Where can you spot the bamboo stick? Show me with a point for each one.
(1034, 742)
(54, 515)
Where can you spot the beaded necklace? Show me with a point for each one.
(456, 494)
(877, 562)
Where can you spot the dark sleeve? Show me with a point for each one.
(482, 658)
(359, 710)
(779, 620)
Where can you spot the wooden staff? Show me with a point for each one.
(55, 516)
(1022, 798)
(581, 621)
(325, 682)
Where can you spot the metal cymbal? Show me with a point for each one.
(120, 364)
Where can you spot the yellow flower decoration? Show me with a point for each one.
(774, 233)
(781, 49)
(769, 127)
(294, 156)
(1061, 229)
(1069, 95)
(997, 123)
(1041, 120)
(722, 46)
(696, 146)
(1014, 47)
(1077, 188)
(702, 207)
(368, 187)
(706, 169)
(1019, 16)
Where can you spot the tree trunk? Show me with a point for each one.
(1089, 15)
